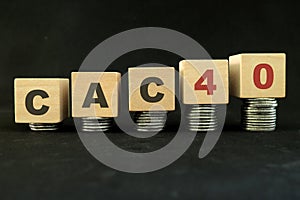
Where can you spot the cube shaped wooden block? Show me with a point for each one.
(257, 75)
(41, 100)
(151, 88)
(204, 81)
(95, 94)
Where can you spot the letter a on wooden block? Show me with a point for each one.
(41, 100)
(204, 81)
(151, 88)
(95, 94)
(257, 75)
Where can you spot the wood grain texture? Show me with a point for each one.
(135, 78)
(109, 82)
(242, 70)
(57, 100)
(191, 71)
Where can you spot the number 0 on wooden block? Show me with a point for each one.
(204, 81)
(257, 75)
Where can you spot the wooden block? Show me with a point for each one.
(257, 75)
(204, 81)
(41, 100)
(95, 94)
(151, 88)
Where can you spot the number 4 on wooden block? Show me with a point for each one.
(204, 81)
(209, 87)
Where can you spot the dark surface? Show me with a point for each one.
(56, 165)
(51, 39)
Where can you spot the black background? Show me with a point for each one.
(51, 39)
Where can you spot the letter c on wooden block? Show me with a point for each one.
(29, 102)
(144, 89)
(151, 88)
(41, 100)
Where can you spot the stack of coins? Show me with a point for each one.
(95, 124)
(150, 121)
(259, 114)
(43, 127)
(202, 117)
